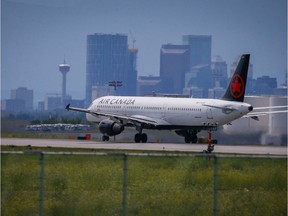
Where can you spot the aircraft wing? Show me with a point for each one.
(123, 118)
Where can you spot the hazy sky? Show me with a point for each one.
(37, 34)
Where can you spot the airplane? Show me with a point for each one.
(185, 116)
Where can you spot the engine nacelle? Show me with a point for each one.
(110, 127)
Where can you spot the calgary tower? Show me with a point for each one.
(64, 69)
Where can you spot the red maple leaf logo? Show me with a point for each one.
(237, 86)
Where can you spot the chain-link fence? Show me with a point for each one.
(50, 183)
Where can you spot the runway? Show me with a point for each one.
(90, 144)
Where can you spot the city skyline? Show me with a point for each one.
(110, 59)
(36, 36)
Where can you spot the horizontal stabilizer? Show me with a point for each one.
(270, 107)
(220, 107)
(255, 115)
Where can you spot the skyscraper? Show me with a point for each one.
(22, 93)
(200, 48)
(219, 72)
(131, 83)
(109, 59)
(200, 62)
(174, 63)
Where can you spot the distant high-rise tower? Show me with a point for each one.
(24, 94)
(219, 72)
(174, 63)
(109, 59)
(200, 48)
(200, 74)
(64, 69)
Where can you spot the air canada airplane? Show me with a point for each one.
(186, 116)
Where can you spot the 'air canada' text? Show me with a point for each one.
(126, 101)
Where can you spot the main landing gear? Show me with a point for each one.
(191, 137)
(140, 137)
(105, 138)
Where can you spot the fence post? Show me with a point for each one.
(215, 210)
(124, 198)
(41, 205)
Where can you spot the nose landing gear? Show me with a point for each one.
(210, 147)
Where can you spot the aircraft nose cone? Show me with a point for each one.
(250, 108)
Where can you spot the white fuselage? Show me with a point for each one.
(172, 111)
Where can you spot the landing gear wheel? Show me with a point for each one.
(194, 138)
(144, 138)
(137, 138)
(105, 138)
(187, 139)
(191, 138)
(210, 148)
(140, 138)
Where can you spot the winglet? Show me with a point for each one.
(236, 88)
(67, 107)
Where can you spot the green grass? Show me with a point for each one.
(92, 185)
(253, 186)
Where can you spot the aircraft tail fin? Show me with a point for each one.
(236, 88)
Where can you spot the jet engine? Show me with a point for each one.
(110, 127)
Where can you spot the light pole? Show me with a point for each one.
(115, 84)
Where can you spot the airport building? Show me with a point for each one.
(269, 129)
(110, 59)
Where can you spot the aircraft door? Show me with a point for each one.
(163, 111)
(209, 113)
(124, 110)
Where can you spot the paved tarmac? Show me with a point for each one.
(91, 144)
